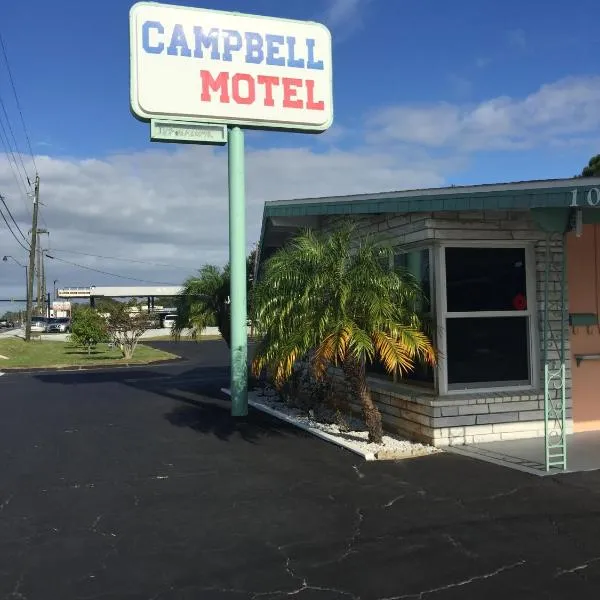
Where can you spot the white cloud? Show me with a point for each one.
(344, 17)
(170, 204)
(554, 113)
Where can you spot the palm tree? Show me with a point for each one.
(204, 302)
(339, 300)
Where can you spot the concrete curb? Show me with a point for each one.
(76, 369)
(312, 430)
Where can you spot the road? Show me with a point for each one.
(137, 484)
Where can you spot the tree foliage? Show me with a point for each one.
(593, 167)
(338, 301)
(126, 323)
(205, 300)
(88, 328)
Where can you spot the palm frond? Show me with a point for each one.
(392, 354)
(338, 296)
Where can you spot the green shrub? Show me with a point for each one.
(88, 329)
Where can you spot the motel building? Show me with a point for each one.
(511, 272)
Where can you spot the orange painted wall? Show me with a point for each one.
(583, 262)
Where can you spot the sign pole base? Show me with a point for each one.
(237, 260)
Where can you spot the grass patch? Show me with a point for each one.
(42, 353)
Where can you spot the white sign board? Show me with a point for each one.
(193, 64)
(64, 306)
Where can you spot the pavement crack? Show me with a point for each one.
(305, 587)
(577, 568)
(458, 545)
(6, 502)
(360, 517)
(352, 540)
(443, 588)
(16, 594)
(393, 501)
(304, 584)
(503, 494)
(94, 526)
(226, 591)
(358, 472)
(499, 495)
(288, 564)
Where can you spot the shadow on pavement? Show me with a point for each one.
(200, 405)
(207, 418)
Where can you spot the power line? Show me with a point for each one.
(14, 89)
(131, 260)
(9, 151)
(12, 218)
(14, 139)
(106, 272)
(13, 233)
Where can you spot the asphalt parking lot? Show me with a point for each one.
(136, 484)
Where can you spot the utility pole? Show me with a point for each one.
(32, 250)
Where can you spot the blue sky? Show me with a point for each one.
(426, 93)
(73, 77)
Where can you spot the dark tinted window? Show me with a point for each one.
(485, 279)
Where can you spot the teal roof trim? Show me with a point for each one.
(520, 196)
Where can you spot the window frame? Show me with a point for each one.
(442, 314)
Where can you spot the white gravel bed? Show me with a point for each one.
(355, 440)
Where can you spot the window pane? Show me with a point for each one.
(485, 279)
(417, 263)
(484, 350)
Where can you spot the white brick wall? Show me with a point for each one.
(474, 417)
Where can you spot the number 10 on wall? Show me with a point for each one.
(592, 197)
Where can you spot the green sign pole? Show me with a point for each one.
(237, 259)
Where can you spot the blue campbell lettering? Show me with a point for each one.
(146, 29)
(209, 40)
(178, 45)
(223, 44)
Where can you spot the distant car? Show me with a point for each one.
(4, 324)
(169, 321)
(59, 325)
(39, 324)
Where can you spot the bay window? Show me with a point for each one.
(486, 317)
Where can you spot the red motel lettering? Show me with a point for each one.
(243, 88)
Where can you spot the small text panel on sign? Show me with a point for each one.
(196, 64)
(187, 133)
